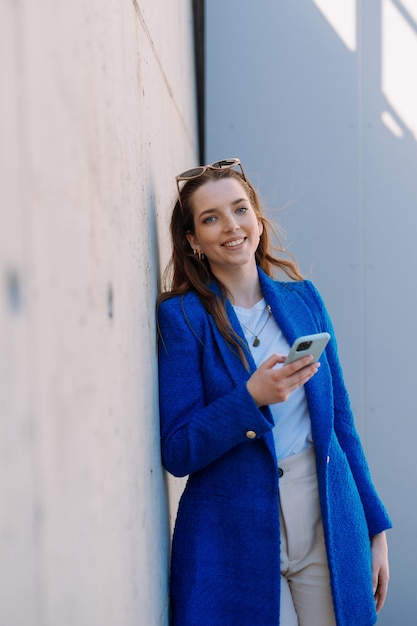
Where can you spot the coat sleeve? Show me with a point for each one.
(347, 435)
(195, 432)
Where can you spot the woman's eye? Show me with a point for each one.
(242, 209)
(209, 220)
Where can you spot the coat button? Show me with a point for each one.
(280, 472)
(250, 434)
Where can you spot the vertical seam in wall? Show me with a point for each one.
(200, 78)
(361, 210)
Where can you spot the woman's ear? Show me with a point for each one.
(261, 227)
(192, 240)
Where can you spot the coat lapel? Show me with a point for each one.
(289, 310)
(294, 317)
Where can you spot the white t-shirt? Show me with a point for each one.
(292, 431)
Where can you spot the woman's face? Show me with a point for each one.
(226, 228)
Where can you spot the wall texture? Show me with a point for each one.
(97, 114)
(320, 104)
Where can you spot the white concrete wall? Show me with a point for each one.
(319, 100)
(97, 114)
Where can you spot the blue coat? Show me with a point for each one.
(225, 567)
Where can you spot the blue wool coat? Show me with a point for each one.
(225, 567)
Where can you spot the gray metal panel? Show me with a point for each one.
(303, 112)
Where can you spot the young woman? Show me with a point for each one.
(279, 522)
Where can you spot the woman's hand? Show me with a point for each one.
(380, 569)
(269, 385)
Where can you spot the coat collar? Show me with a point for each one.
(289, 310)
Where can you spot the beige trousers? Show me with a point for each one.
(305, 582)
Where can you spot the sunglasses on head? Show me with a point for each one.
(195, 172)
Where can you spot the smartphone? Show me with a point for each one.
(310, 344)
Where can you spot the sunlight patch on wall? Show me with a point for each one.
(391, 124)
(341, 15)
(399, 54)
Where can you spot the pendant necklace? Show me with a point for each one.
(256, 340)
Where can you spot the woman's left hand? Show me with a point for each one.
(380, 569)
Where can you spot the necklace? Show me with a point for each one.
(257, 341)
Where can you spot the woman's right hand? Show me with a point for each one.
(269, 385)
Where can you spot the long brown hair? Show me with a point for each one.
(187, 272)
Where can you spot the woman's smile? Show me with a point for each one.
(234, 242)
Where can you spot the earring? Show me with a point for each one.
(199, 254)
